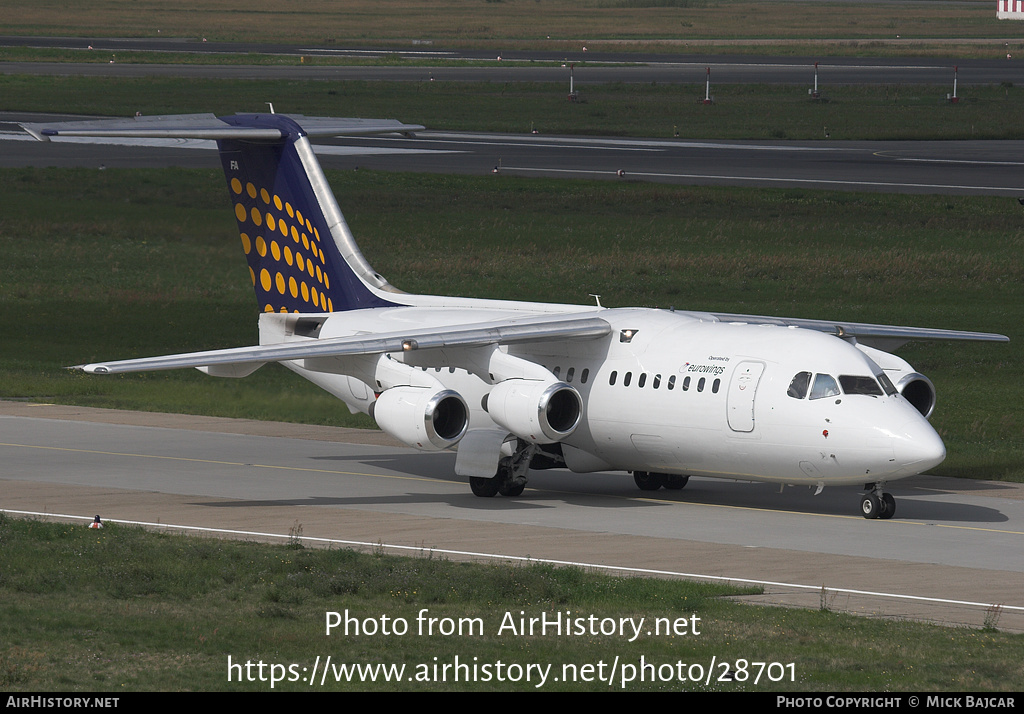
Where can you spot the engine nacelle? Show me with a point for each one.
(537, 411)
(919, 391)
(422, 417)
(914, 386)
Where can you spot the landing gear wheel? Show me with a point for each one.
(674, 482)
(878, 503)
(647, 481)
(888, 506)
(484, 487)
(511, 476)
(871, 506)
(509, 488)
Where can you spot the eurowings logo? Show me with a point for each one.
(712, 369)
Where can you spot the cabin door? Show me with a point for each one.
(742, 390)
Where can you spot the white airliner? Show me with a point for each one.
(663, 394)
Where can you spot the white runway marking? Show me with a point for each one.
(620, 144)
(769, 179)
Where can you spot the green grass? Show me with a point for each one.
(386, 58)
(397, 53)
(761, 112)
(508, 23)
(125, 610)
(118, 264)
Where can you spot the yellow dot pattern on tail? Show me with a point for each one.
(300, 257)
(284, 251)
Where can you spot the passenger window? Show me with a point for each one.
(686, 384)
(859, 385)
(715, 385)
(671, 382)
(611, 378)
(700, 384)
(555, 371)
(657, 381)
(642, 381)
(627, 379)
(584, 376)
(569, 373)
(824, 386)
(798, 387)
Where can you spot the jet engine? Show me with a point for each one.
(540, 412)
(919, 391)
(422, 417)
(914, 386)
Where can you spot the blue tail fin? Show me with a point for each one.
(301, 254)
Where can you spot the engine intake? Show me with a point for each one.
(540, 412)
(424, 418)
(919, 391)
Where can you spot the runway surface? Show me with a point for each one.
(686, 71)
(938, 167)
(594, 65)
(952, 552)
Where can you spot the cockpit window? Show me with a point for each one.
(887, 384)
(824, 386)
(798, 387)
(859, 385)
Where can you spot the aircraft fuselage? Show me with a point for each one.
(670, 392)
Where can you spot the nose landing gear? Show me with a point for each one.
(877, 503)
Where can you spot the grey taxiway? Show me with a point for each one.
(952, 555)
(954, 167)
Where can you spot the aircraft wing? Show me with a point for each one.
(208, 126)
(885, 337)
(535, 329)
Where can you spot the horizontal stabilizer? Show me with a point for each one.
(536, 329)
(208, 126)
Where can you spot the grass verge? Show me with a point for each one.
(503, 22)
(122, 609)
(398, 53)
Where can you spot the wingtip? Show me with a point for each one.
(36, 134)
(88, 368)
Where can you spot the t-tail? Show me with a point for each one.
(302, 256)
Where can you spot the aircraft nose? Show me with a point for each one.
(918, 447)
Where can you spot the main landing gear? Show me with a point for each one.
(503, 483)
(510, 480)
(647, 481)
(877, 503)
